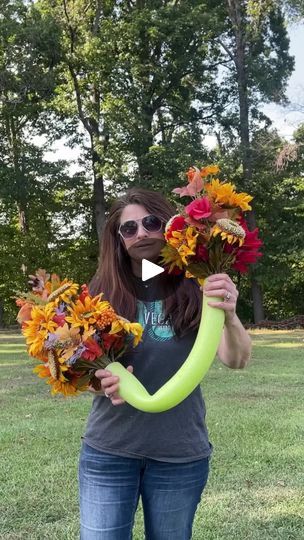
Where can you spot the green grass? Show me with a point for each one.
(255, 418)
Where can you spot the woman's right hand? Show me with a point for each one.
(110, 385)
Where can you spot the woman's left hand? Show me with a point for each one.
(221, 285)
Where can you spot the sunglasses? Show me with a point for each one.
(150, 223)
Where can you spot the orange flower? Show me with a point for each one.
(171, 256)
(36, 329)
(60, 385)
(24, 313)
(209, 170)
(191, 173)
(87, 313)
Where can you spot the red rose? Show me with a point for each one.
(199, 209)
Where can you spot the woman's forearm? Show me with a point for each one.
(235, 346)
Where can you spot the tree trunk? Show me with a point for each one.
(144, 144)
(19, 174)
(98, 199)
(234, 8)
(90, 116)
(1, 315)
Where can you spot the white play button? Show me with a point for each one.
(149, 270)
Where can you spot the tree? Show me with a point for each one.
(257, 45)
(134, 70)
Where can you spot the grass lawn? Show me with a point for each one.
(256, 424)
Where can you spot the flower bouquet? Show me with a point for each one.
(71, 333)
(210, 234)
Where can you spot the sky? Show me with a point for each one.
(285, 119)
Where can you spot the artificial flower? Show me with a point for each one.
(210, 234)
(209, 170)
(85, 313)
(194, 186)
(199, 208)
(229, 230)
(36, 329)
(91, 350)
(24, 313)
(176, 223)
(224, 194)
(131, 328)
(71, 332)
(172, 259)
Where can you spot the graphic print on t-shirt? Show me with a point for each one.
(150, 315)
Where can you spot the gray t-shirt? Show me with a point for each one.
(178, 435)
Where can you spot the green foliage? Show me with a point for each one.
(147, 80)
(279, 203)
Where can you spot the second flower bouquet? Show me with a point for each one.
(71, 333)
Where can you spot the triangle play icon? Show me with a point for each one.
(149, 270)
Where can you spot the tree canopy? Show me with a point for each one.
(138, 86)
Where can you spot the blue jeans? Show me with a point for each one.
(110, 487)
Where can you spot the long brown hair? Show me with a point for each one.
(114, 275)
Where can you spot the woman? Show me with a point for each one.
(163, 457)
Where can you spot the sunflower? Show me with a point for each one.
(131, 328)
(241, 200)
(85, 313)
(229, 230)
(220, 192)
(224, 193)
(65, 387)
(42, 371)
(63, 292)
(60, 385)
(36, 330)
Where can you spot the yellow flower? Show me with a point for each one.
(170, 255)
(87, 313)
(36, 330)
(241, 200)
(131, 328)
(63, 292)
(229, 230)
(224, 193)
(184, 242)
(210, 169)
(60, 385)
(42, 371)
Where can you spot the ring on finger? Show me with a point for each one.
(107, 395)
(228, 296)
